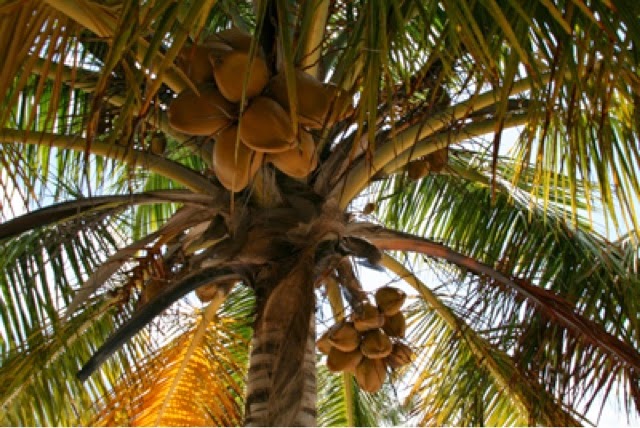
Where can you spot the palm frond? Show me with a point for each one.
(40, 351)
(195, 379)
(455, 363)
(536, 248)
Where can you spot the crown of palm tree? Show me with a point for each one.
(522, 256)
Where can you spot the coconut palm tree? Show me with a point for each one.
(131, 178)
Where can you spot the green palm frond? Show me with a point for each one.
(38, 345)
(85, 86)
(456, 366)
(538, 249)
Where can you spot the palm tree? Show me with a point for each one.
(522, 255)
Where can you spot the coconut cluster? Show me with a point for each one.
(225, 74)
(370, 341)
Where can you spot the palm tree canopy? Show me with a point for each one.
(484, 154)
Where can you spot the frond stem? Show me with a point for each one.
(366, 167)
(548, 303)
(132, 157)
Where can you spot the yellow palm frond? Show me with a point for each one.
(195, 380)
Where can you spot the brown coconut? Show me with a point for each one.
(314, 100)
(395, 325)
(234, 163)
(368, 317)
(400, 356)
(206, 293)
(158, 143)
(438, 159)
(234, 37)
(265, 127)
(338, 361)
(323, 343)
(299, 161)
(418, 168)
(375, 344)
(344, 337)
(194, 61)
(390, 300)
(370, 374)
(203, 114)
(230, 70)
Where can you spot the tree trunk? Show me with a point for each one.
(260, 376)
(281, 386)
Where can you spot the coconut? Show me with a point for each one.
(316, 102)
(344, 337)
(395, 325)
(438, 159)
(390, 300)
(368, 317)
(375, 344)
(323, 343)
(416, 169)
(370, 374)
(206, 293)
(234, 163)
(158, 143)
(338, 361)
(297, 162)
(234, 37)
(194, 61)
(203, 114)
(230, 69)
(400, 356)
(265, 127)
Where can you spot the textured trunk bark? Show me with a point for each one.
(281, 386)
(303, 406)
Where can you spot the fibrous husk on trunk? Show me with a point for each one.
(390, 300)
(400, 356)
(299, 161)
(344, 337)
(230, 69)
(201, 114)
(371, 374)
(265, 127)
(375, 344)
(234, 163)
(395, 325)
(338, 360)
(368, 317)
(317, 103)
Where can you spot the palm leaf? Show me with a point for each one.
(206, 358)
